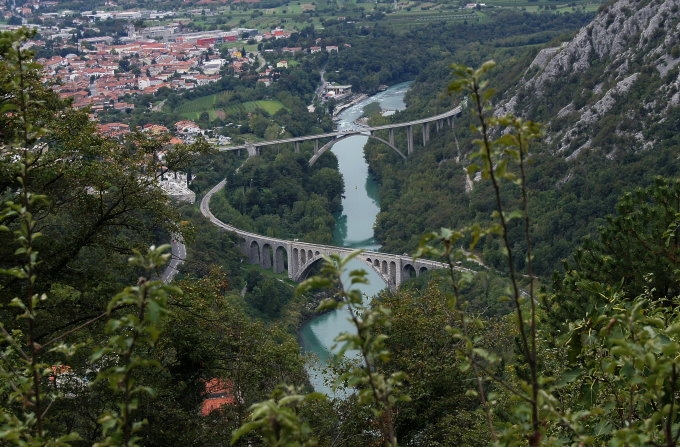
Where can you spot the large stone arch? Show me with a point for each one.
(331, 143)
(280, 259)
(254, 252)
(408, 271)
(304, 268)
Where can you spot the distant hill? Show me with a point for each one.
(610, 102)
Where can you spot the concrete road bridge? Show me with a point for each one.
(438, 122)
(297, 257)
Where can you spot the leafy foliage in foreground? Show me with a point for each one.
(79, 367)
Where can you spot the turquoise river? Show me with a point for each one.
(355, 229)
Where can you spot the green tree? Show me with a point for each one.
(615, 312)
(75, 207)
(636, 248)
(618, 385)
(328, 182)
(440, 411)
(501, 161)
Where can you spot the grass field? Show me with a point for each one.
(211, 104)
(203, 103)
(415, 18)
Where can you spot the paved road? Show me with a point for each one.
(179, 253)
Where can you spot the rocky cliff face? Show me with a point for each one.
(613, 87)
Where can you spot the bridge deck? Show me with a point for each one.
(453, 112)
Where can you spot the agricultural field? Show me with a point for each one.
(217, 106)
(297, 15)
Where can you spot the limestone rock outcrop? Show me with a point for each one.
(607, 86)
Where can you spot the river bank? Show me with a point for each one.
(351, 100)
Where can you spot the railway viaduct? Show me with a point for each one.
(296, 258)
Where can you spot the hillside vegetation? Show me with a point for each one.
(609, 101)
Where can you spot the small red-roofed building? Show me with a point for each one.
(218, 393)
(113, 129)
(123, 106)
(55, 62)
(187, 127)
(280, 33)
(155, 129)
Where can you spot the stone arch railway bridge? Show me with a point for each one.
(438, 121)
(297, 257)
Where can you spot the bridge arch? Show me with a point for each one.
(386, 268)
(408, 271)
(254, 253)
(305, 260)
(280, 259)
(331, 143)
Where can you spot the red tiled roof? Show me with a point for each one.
(218, 393)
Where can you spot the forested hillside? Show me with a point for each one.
(383, 56)
(609, 102)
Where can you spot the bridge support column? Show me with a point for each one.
(266, 256)
(391, 136)
(293, 265)
(279, 265)
(253, 150)
(426, 133)
(316, 146)
(297, 147)
(409, 139)
(398, 274)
